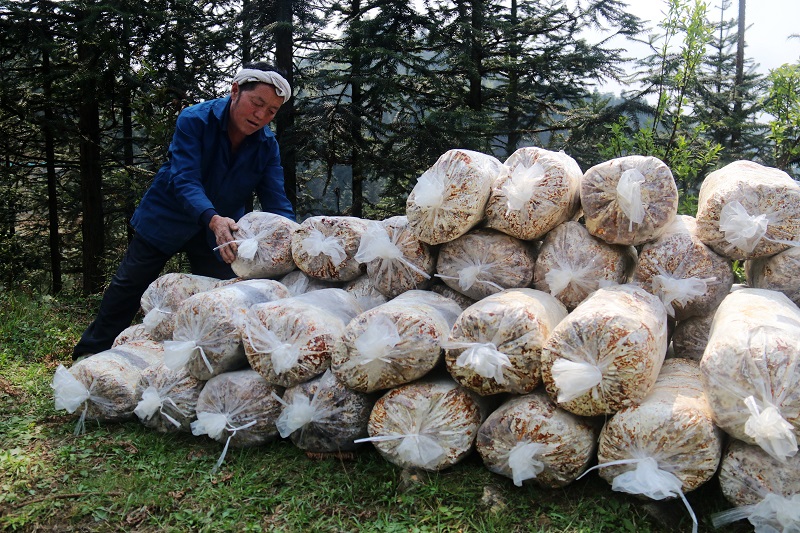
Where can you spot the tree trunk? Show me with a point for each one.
(512, 117)
(738, 93)
(475, 99)
(91, 174)
(356, 109)
(247, 35)
(127, 137)
(52, 191)
(284, 59)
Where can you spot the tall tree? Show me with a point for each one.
(533, 65)
(727, 97)
(284, 60)
(363, 85)
(88, 19)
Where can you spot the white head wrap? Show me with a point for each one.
(282, 87)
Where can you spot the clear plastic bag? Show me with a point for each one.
(763, 489)
(161, 299)
(485, 262)
(449, 198)
(102, 387)
(292, 340)
(322, 415)
(495, 345)
(264, 245)
(395, 343)
(239, 409)
(751, 368)
(167, 398)
(208, 328)
(571, 264)
(746, 211)
(539, 192)
(397, 261)
(628, 200)
(530, 438)
(429, 425)
(620, 331)
(689, 277)
(324, 247)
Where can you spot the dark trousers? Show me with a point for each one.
(141, 265)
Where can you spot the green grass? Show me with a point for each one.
(125, 477)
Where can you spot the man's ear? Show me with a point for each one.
(234, 90)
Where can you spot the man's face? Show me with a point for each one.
(254, 109)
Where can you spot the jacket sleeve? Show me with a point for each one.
(186, 153)
(270, 190)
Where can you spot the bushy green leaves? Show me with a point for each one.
(783, 103)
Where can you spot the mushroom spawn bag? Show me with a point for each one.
(484, 262)
(776, 273)
(322, 415)
(628, 200)
(426, 424)
(495, 345)
(764, 490)
(688, 276)
(746, 210)
(607, 353)
(324, 247)
(103, 386)
(751, 368)
(264, 245)
(135, 332)
(748, 473)
(529, 437)
(571, 264)
(292, 340)
(238, 408)
(540, 191)
(397, 261)
(298, 282)
(167, 398)
(207, 336)
(690, 337)
(365, 293)
(672, 425)
(449, 198)
(161, 299)
(395, 343)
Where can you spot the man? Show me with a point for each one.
(222, 151)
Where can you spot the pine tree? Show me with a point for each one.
(359, 91)
(724, 104)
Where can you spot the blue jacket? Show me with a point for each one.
(202, 173)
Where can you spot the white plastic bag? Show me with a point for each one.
(539, 192)
(751, 367)
(427, 424)
(450, 197)
(529, 438)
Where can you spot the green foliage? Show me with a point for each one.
(670, 133)
(783, 103)
(727, 100)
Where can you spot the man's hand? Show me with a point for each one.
(223, 228)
